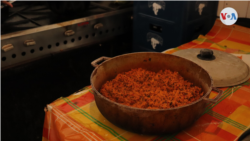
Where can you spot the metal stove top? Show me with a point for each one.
(32, 31)
(28, 15)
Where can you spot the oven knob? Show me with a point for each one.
(69, 33)
(97, 26)
(30, 42)
(7, 47)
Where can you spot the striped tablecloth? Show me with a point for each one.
(77, 118)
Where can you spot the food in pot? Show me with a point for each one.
(151, 90)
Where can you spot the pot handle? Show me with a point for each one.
(103, 58)
(220, 92)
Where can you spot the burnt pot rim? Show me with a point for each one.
(97, 93)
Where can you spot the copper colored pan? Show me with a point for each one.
(151, 121)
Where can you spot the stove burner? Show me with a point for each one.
(69, 8)
(32, 14)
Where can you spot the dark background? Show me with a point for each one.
(28, 88)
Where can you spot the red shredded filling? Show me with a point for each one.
(146, 89)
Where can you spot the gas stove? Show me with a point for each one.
(59, 50)
(32, 31)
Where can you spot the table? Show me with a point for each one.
(77, 118)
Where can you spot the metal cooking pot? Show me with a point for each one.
(151, 121)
